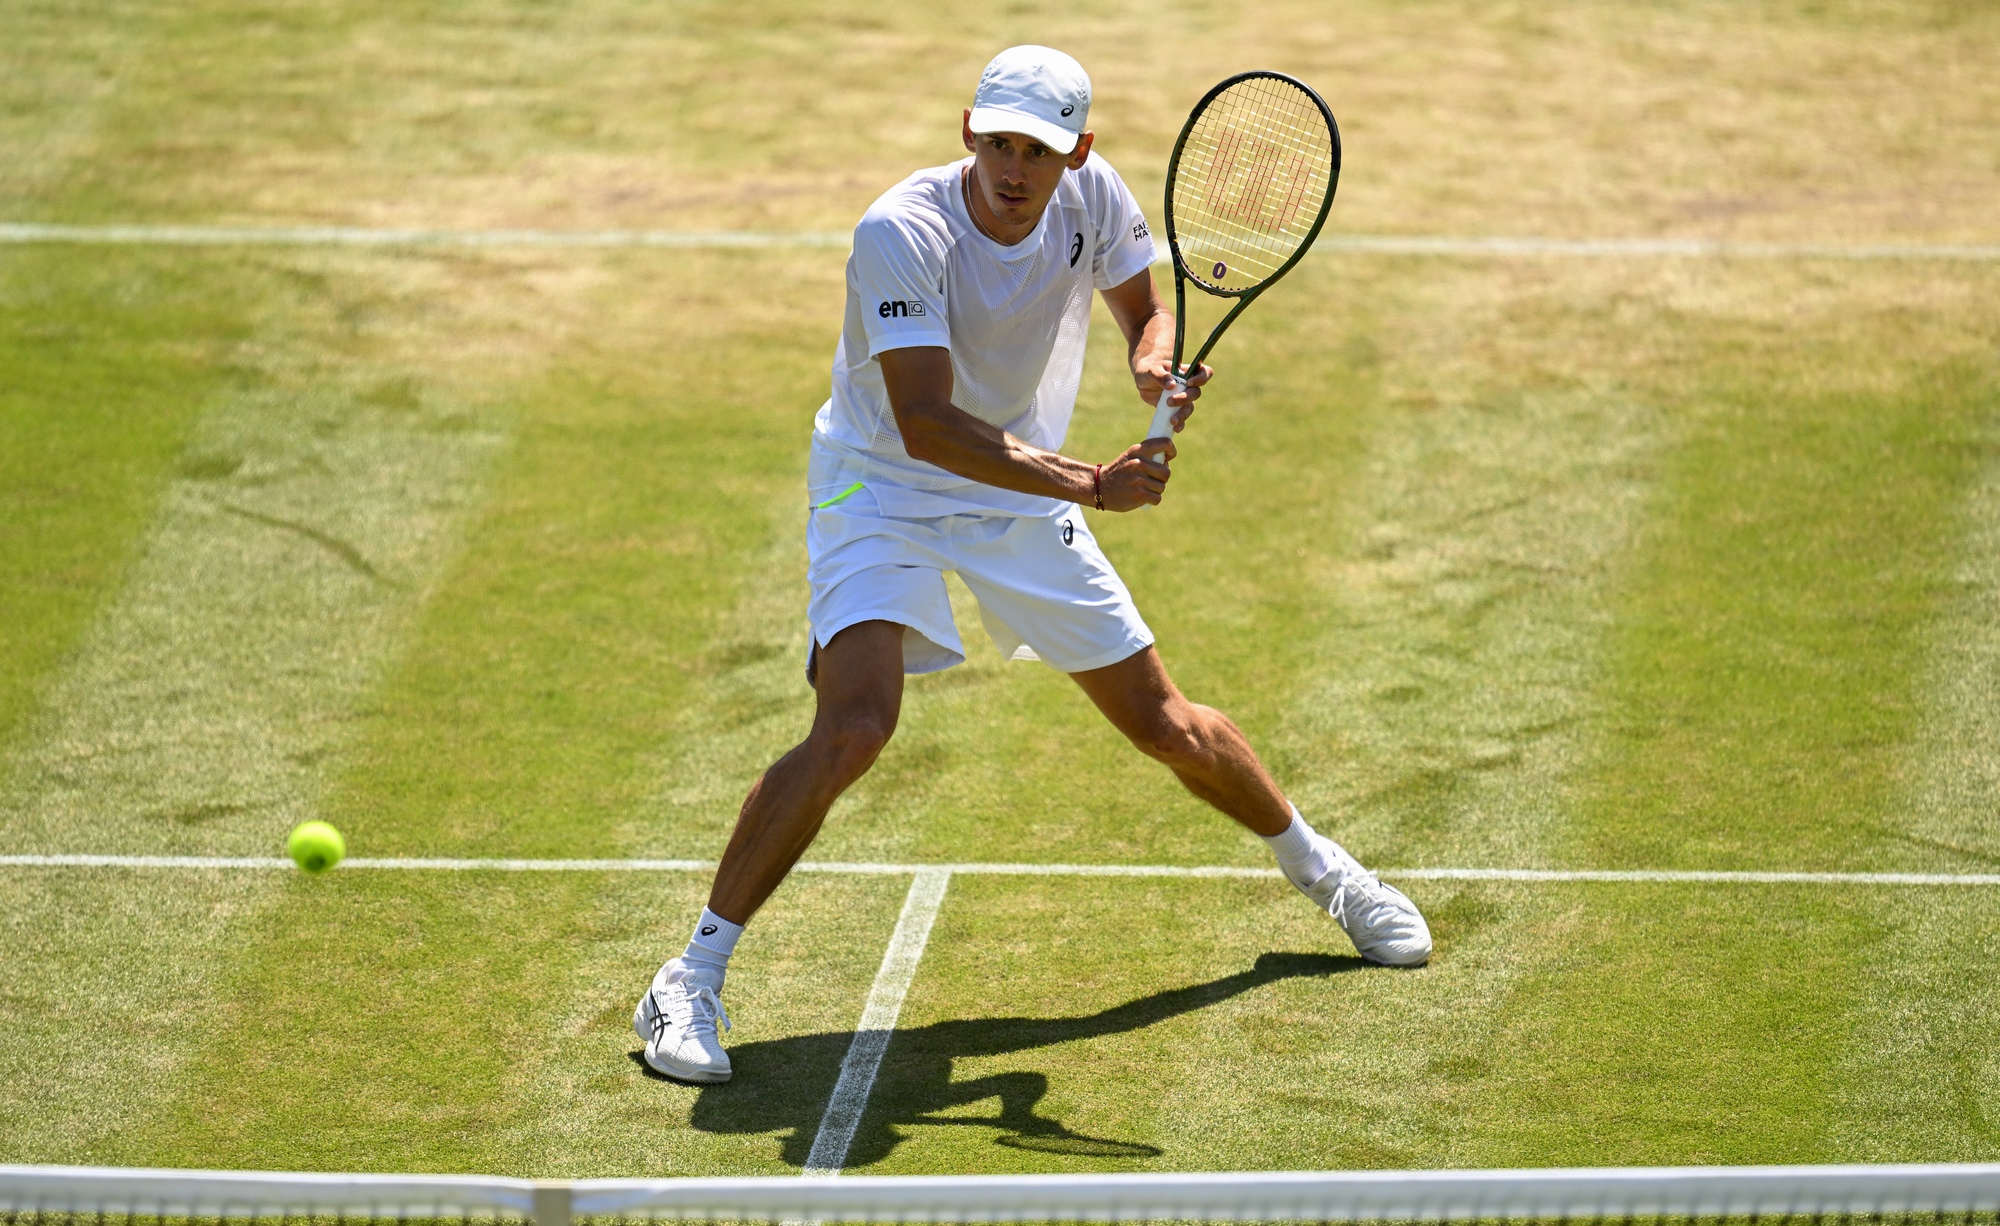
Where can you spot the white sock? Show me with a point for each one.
(1304, 854)
(713, 941)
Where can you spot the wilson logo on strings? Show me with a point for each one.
(1260, 183)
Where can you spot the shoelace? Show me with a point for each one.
(1363, 888)
(700, 1005)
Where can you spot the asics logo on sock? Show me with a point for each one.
(708, 930)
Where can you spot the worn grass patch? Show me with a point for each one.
(107, 369)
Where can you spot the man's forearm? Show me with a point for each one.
(1153, 338)
(958, 442)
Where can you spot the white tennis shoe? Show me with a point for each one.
(677, 1016)
(1383, 923)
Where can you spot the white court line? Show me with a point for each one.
(868, 868)
(878, 1022)
(1710, 248)
(1692, 875)
(1376, 244)
(366, 236)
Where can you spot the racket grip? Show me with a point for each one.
(1163, 421)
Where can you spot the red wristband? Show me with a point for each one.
(1097, 487)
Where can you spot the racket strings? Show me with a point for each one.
(1259, 173)
(1259, 203)
(1253, 177)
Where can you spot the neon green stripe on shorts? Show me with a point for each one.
(842, 496)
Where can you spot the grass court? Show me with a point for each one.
(1541, 562)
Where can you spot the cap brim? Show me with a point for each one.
(987, 119)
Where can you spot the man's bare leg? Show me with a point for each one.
(860, 682)
(1199, 744)
(1212, 759)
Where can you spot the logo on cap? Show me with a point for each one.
(1068, 109)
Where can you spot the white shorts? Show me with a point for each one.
(1045, 589)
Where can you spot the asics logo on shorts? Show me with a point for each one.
(1069, 533)
(899, 309)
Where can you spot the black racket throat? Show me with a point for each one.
(1181, 325)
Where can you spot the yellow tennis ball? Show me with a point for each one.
(316, 846)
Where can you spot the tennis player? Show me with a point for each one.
(968, 302)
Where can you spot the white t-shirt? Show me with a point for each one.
(1015, 319)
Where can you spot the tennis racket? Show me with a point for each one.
(1248, 189)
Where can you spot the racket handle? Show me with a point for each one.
(1163, 421)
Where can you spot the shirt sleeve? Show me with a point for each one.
(897, 277)
(1124, 239)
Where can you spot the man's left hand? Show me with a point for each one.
(1149, 375)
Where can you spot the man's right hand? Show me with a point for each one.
(1133, 480)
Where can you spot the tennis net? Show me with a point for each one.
(1968, 1193)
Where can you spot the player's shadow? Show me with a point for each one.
(782, 1085)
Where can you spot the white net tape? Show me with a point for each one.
(1751, 1193)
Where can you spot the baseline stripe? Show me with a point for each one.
(1693, 875)
(1376, 244)
(865, 868)
(878, 1023)
(364, 236)
(1700, 248)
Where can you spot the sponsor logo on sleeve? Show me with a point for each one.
(1076, 249)
(1140, 232)
(900, 309)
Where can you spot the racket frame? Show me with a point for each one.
(1249, 293)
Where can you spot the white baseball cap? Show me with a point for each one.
(1036, 91)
